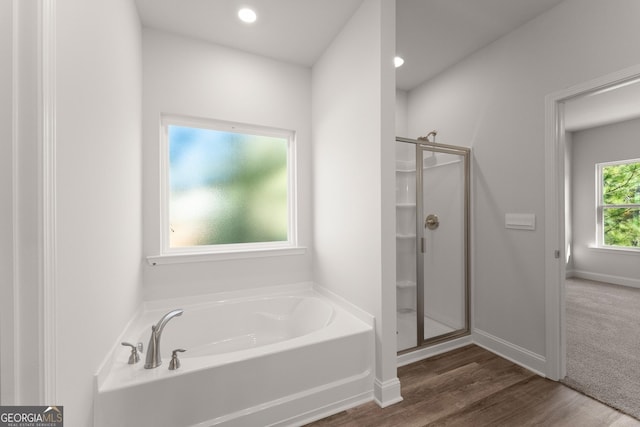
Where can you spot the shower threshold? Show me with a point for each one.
(407, 329)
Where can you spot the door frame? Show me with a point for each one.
(29, 350)
(555, 245)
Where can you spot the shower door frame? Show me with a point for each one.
(465, 152)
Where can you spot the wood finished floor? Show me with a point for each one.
(473, 387)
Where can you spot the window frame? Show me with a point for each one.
(234, 250)
(600, 207)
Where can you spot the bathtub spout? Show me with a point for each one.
(154, 359)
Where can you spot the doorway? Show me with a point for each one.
(558, 245)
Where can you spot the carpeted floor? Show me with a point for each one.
(603, 343)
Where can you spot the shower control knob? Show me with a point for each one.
(431, 222)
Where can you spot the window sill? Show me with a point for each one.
(222, 256)
(615, 250)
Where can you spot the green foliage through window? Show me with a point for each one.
(621, 204)
(226, 187)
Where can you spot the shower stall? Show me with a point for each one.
(432, 242)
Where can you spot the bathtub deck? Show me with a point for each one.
(473, 387)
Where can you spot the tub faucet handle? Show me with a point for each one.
(175, 362)
(134, 357)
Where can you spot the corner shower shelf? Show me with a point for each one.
(405, 166)
(405, 236)
(405, 284)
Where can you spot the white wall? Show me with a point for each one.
(26, 220)
(99, 230)
(402, 99)
(608, 143)
(354, 183)
(6, 204)
(568, 203)
(189, 77)
(493, 101)
(403, 151)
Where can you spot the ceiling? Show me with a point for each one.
(296, 31)
(431, 35)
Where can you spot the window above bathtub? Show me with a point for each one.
(227, 191)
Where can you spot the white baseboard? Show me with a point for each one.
(607, 278)
(516, 354)
(387, 393)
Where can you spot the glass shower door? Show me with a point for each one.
(442, 229)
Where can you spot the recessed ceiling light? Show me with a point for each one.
(247, 15)
(398, 61)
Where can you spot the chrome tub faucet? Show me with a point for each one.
(154, 359)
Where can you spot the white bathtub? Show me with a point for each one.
(281, 356)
